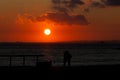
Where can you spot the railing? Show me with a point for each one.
(21, 56)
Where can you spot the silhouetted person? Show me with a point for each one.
(67, 58)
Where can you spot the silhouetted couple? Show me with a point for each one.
(67, 58)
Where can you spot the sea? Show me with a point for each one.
(83, 53)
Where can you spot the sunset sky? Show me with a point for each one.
(68, 20)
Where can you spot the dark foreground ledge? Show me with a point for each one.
(57, 69)
(60, 73)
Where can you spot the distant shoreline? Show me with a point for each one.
(69, 42)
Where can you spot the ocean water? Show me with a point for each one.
(92, 53)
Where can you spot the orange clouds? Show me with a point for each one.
(64, 18)
(25, 18)
(57, 18)
(20, 20)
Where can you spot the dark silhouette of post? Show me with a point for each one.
(10, 61)
(67, 58)
(23, 60)
(37, 59)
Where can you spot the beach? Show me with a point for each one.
(93, 59)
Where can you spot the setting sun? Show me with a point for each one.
(47, 31)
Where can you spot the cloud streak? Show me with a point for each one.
(101, 3)
(112, 2)
(57, 18)
(62, 14)
(63, 9)
(66, 5)
(62, 18)
(97, 4)
(94, 4)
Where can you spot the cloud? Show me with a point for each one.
(94, 4)
(57, 18)
(97, 4)
(112, 2)
(22, 19)
(62, 18)
(66, 5)
(101, 4)
(63, 9)
(61, 15)
(19, 19)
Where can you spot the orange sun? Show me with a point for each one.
(47, 31)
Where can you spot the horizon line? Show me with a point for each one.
(61, 41)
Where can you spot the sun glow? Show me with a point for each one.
(47, 32)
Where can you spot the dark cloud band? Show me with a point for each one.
(112, 2)
(63, 9)
(62, 18)
(66, 5)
